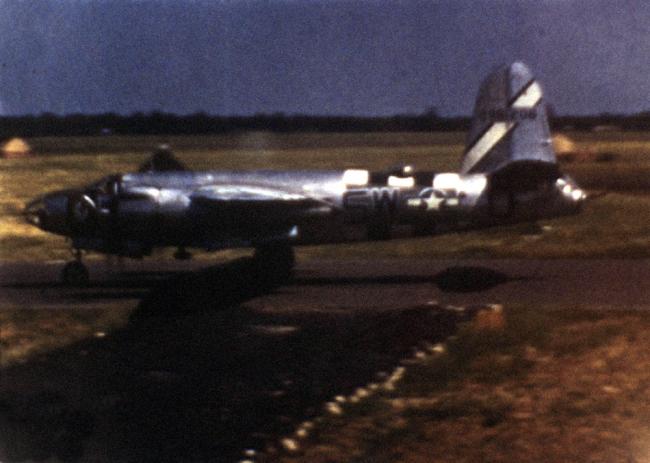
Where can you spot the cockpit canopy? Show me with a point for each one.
(109, 185)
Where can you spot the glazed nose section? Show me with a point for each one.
(48, 212)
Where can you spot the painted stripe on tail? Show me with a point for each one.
(529, 98)
(489, 139)
(509, 123)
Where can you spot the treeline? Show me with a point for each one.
(170, 124)
(163, 123)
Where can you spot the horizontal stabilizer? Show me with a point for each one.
(509, 123)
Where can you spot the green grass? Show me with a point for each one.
(252, 140)
(472, 383)
(25, 333)
(483, 355)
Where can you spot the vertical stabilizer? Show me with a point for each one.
(509, 123)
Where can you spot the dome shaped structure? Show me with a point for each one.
(16, 147)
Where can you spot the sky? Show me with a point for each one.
(316, 57)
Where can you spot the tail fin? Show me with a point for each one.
(509, 124)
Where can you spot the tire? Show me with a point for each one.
(75, 273)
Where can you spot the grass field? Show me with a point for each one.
(564, 385)
(616, 224)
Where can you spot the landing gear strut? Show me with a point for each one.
(75, 273)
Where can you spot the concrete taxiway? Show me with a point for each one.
(357, 285)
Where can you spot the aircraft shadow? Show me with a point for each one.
(121, 280)
(468, 279)
(175, 292)
(213, 288)
(460, 279)
(197, 376)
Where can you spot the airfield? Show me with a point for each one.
(158, 360)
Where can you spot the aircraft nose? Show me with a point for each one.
(47, 212)
(34, 212)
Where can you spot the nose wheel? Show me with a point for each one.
(75, 273)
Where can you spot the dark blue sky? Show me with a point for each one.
(315, 56)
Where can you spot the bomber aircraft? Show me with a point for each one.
(508, 174)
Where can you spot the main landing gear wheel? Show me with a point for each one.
(75, 273)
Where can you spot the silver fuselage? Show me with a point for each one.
(130, 214)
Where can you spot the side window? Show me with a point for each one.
(113, 186)
(105, 191)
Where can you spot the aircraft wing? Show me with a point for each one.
(253, 200)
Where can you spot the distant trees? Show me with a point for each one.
(201, 123)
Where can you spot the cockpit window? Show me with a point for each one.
(106, 186)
